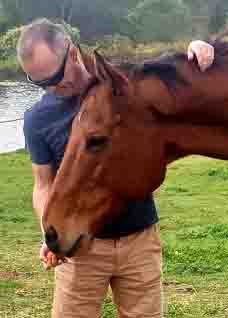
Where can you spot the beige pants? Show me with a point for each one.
(131, 265)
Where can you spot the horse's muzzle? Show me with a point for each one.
(51, 239)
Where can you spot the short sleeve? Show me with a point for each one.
(35, 142)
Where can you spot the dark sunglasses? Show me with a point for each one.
(56, 78)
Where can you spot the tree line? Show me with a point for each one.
(140, 20)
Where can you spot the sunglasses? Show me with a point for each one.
(55, 79)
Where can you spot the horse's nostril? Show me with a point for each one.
(51, 235)
(51, 239)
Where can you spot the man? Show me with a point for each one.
(127, 253)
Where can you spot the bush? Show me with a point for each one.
(113, 45)
(73, 31)
(4, 23)
(8, 42)
(159, 20)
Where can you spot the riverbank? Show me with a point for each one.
(15, 98)
(11, 75)
(10, 70)
(194, 218)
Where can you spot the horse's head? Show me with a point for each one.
(105, 163)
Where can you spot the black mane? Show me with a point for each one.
(166, 67)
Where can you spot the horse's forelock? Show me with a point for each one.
(92, 83)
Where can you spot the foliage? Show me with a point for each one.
(160, 20)
(138, 19)
(116, 45)
(73, 31)
(218, 16)
(8, 42)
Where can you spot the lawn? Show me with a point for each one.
(194, 228)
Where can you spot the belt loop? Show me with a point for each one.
(116, 240)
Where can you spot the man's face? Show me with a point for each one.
(45, 63)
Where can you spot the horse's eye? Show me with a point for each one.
(96, 143)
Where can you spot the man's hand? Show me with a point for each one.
(204, 52)
(48, 258)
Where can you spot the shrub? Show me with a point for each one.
(113, 45)
(73, 31)
(8, 42)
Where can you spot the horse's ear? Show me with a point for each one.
(80, 58)
(106, 72)
(86, 60)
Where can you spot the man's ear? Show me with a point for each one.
(106, 72)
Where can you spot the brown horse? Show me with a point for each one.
(128, 130)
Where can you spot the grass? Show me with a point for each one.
(194, 229)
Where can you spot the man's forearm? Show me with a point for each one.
(39, 200)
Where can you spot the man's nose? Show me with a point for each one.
(51, 239)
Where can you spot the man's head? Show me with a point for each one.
(49, 58)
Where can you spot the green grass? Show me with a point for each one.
(194, 227)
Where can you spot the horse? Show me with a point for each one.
(130, 127)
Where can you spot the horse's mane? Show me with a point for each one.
(93, 82)
(167, 66)
(165, 69)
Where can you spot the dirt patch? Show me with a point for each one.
(179, 293)
(179, 287)
(14, 275)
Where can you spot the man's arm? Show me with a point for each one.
(43, 173)
(43, 179)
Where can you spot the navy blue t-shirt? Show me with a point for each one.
(47, 126)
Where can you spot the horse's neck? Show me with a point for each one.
(204, 99)
(183, 139)
(193, 118)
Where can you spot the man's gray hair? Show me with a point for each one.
(41, 30)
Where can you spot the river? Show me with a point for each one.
(15, 98)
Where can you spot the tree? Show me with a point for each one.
(217, 15)
(138, 19)
(160, 20)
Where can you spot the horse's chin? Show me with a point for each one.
(82, 243)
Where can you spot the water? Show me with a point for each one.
(15, 98)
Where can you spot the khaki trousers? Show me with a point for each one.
(131, 265)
